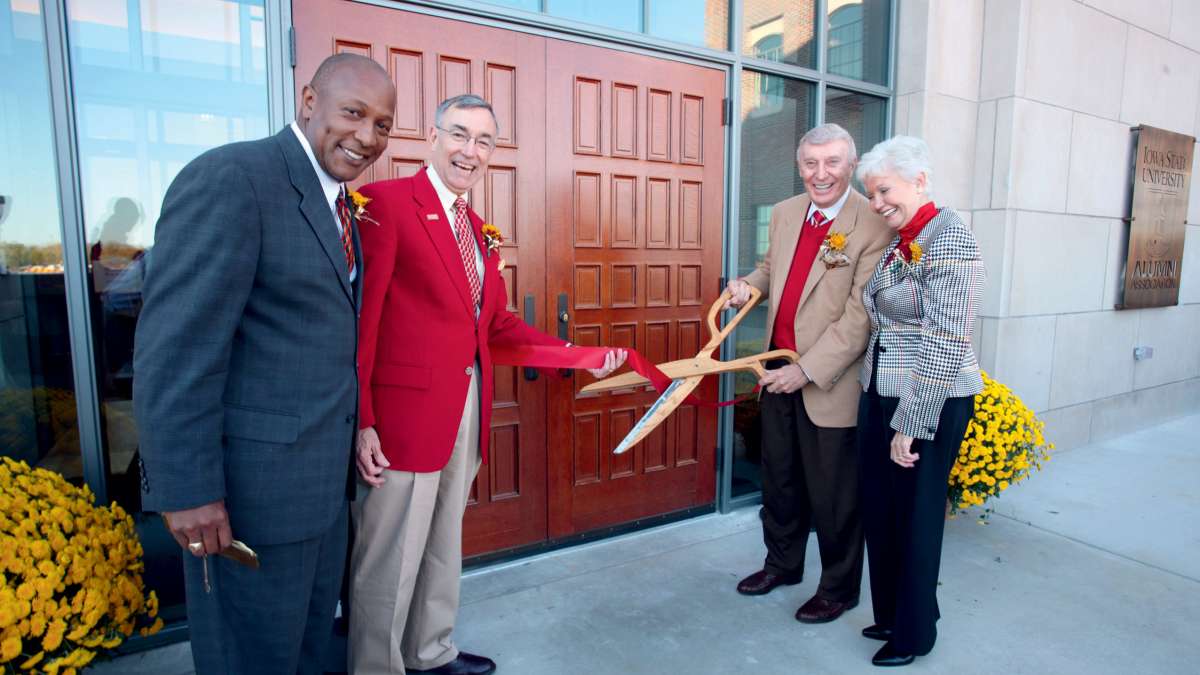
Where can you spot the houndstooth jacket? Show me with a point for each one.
(922, 316)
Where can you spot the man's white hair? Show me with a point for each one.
(827, 133)
(908, 156)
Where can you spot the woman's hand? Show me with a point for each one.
(612, 360)
(902, 453)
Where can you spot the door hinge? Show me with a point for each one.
(292, 46)
(726, 112)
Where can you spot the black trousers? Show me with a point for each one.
(810, 478)
(904, 515)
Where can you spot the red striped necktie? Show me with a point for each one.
(466, 247)
(343, 211)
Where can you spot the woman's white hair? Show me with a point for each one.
(908, 156)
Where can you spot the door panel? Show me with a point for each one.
(635, 159)
(431, 59)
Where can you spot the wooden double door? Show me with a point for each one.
(607, 183)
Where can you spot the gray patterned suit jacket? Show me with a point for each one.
(922, 317)
(245, 384)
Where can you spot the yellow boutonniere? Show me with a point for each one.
(492, 237)
(831, 251)
(359, 202)
(835, 241)
(915, 252)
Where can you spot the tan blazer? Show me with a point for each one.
(831, 326)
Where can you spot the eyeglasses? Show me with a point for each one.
(483, 144)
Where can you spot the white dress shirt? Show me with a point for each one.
(330, 186)
(830, 212)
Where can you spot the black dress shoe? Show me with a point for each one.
(465, 664)
(877, 632)
(888, 656)
(763, 582)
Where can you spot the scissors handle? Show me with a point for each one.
(693, 367)
(719, 334)
(756, 362)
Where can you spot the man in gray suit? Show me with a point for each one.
(246, 390)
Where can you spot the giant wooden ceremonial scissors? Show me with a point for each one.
(688, 373)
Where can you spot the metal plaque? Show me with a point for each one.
(1162, 175)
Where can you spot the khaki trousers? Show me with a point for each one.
(407, 560)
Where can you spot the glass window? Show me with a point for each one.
(684, 21)
(864, 116)
(858, 39)
(156, 83)
(780, 30)
(620, 14)
(763, 242)
(38, 420)
(776, 111)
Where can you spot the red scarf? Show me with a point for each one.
(913, 228)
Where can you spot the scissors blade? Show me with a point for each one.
(666, 404)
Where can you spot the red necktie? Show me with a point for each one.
(466, 247)
(343, 211)
(817, 218)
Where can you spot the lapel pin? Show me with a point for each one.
(432, 216)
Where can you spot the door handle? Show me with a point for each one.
(563, 317)
(531, 374)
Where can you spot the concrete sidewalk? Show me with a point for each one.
(1091, 567)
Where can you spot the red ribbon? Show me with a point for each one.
(545, 356)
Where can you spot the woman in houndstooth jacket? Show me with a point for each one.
(919, 379)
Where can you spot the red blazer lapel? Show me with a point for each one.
(433, 217)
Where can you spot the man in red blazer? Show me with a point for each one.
(433, 307)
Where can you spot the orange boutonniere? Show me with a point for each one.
(832, 250)
(909, 264)
(836, 241)
(359, 203)
(915, 252)
(492, 237)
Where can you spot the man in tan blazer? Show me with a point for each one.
(824, 245)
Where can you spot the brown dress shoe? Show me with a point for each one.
(763, 582)
(820, 610)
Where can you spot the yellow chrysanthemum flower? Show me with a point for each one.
(1003, 443)
(32, 661)
(53, 538)
(10, 649)
(914, 250)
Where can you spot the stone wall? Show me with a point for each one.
(1027, 106)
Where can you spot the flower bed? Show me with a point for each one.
(70, 574)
